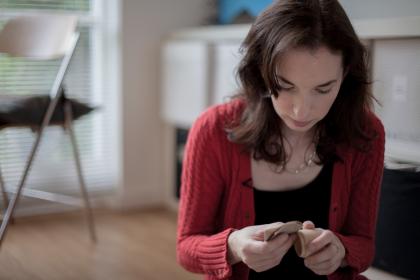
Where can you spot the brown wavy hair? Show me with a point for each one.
(309, 24)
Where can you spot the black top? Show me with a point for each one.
(311, 202)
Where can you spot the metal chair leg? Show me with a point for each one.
(3, 192)
(5, 198)
(12, 204)
(88, 210)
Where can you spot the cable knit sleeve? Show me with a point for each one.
(358, 232)
(200, 248)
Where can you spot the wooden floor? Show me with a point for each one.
(137, 246)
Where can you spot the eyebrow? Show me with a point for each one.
(321, 85)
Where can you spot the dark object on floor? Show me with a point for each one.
(397, 250)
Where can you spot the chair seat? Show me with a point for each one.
(42, 37)
(24, 110)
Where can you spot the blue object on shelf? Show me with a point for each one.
(229, 9)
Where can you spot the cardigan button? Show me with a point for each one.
(247, 216)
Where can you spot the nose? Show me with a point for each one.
(301, 108)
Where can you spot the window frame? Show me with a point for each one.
(103, 22)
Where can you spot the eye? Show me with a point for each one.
(325, 91)
(287, 89)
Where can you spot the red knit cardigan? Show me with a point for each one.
(216, 198)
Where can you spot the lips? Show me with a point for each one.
(300, 123)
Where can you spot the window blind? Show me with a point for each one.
(66, 5)
(54, 167)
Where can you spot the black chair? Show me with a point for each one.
(42, 37)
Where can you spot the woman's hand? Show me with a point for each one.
(326, 252)
(248, 245)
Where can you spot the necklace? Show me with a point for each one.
(307, 162)
(302, 167)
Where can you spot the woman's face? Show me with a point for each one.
(310, 81)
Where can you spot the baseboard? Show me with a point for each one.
(32, 207)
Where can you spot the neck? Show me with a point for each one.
(298, 139)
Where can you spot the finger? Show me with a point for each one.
(283, 243)
(262, 229)
(259, 232)
(323, 268)
(267, 262)
(271, 254)
(325, 265)
(258, 235)
(308, 225)
(279, 240)
(273, 248)
(261, 263)
(254, 260)
(327, 253)
(320, 242)
(265, 247)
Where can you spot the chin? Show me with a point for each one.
(296, 128)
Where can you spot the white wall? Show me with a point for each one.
(144, 25)
(369, 9)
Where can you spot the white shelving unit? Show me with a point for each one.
(199, 65)
(366, 29)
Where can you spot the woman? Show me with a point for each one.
(300, 142)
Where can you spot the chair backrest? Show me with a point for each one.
(42, 36)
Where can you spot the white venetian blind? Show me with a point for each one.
(65, 5)
(54, 167)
